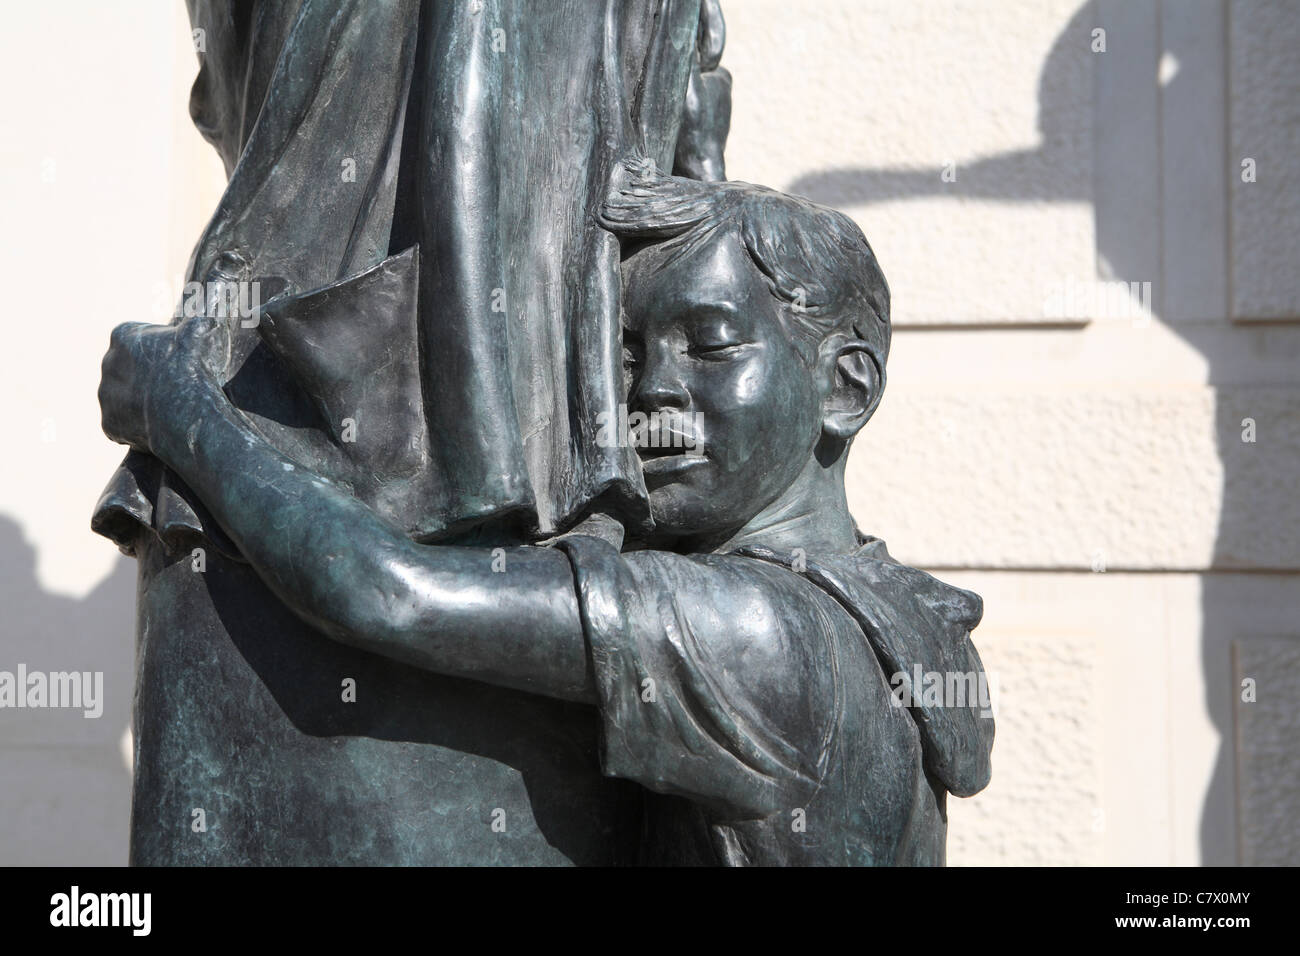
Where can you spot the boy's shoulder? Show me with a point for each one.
(719, 677)
(769, 648)
(913, 622)
(744, 614)
(919, 627)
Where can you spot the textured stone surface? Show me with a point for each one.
(1079, 478)
(1120, 687)
(1265, 126)
(1268, 760)
(1076, 659)
(1045, 804)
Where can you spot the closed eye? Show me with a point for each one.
(719, 352)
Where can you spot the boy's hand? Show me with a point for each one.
(151, 372)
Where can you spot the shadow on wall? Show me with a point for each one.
(1130, 252)
(67, 788)
(1026, 175)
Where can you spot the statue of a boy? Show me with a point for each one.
(757, 663)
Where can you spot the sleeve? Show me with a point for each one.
(715, 676)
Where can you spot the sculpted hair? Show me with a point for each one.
(815, 259)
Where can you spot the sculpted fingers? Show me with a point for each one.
(205, 343)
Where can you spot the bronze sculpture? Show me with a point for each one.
(671, 649)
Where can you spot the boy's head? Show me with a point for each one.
(766, 318)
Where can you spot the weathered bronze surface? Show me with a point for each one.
(509, 526)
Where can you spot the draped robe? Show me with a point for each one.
(412, 188)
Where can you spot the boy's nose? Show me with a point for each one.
(661, 386)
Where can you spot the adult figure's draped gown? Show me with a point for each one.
(412, 187)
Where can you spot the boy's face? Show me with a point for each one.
(705, 337)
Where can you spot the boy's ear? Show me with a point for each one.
(857, 384)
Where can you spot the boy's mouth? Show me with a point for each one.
(667, 461)
(668, 439)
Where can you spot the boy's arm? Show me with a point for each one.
(716, 676)
(328, 556)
